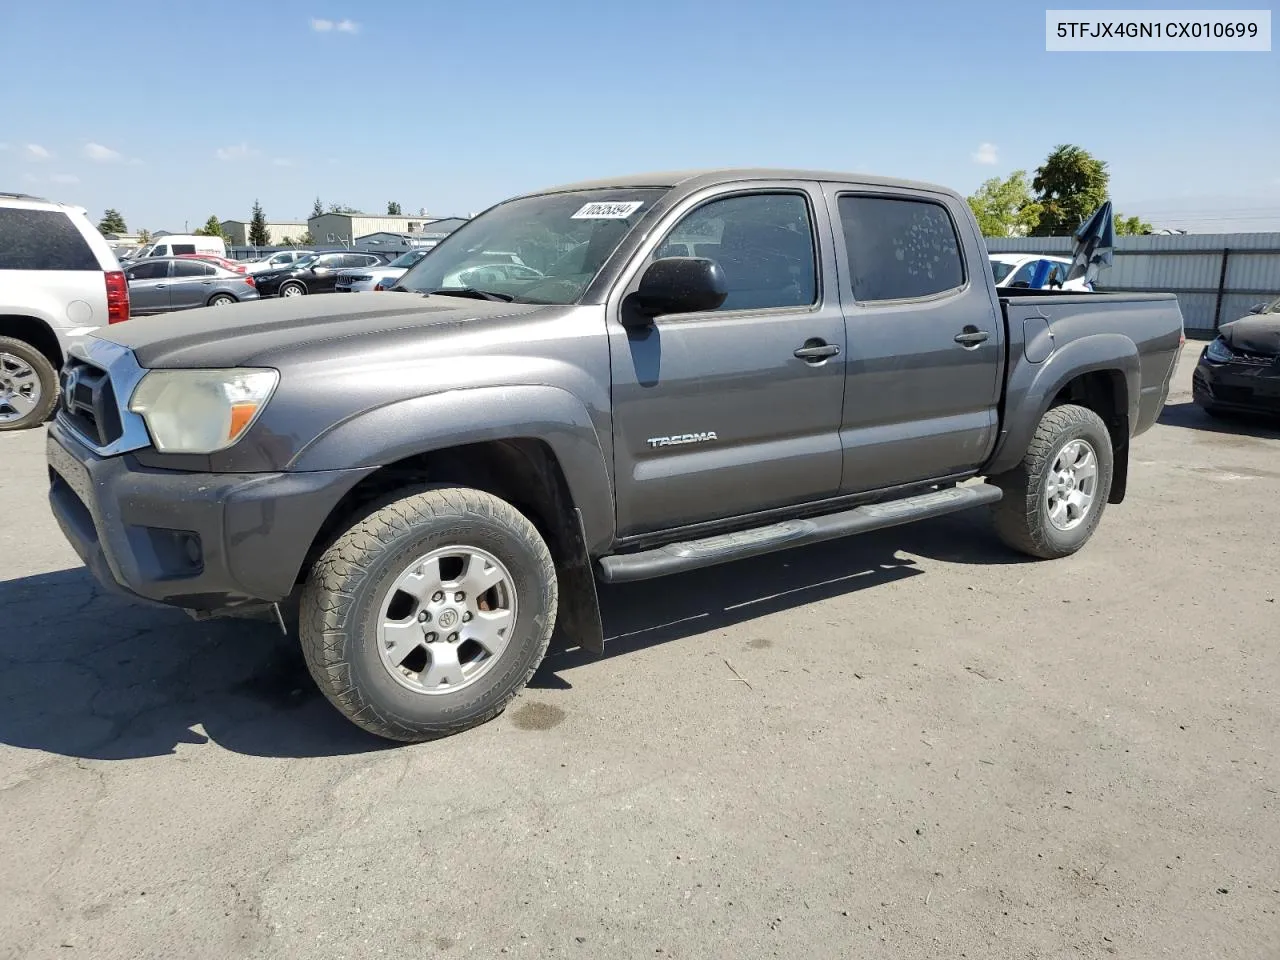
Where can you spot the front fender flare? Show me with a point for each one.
(1033, 387)
(407, 428)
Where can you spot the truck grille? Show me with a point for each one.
(88, 403)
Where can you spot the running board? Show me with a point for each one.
(692, 554)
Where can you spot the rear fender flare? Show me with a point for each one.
(1034, 386)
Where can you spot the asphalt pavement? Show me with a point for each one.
(910, 744)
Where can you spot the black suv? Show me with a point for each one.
(316, 273)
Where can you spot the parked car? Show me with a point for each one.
(58, 279)
(277, 261)
(181, 283)
(436, 481)
(174, 244)
(1239, 371)
(235, 266)
(317, 273)
(378, 277)
(1031, 271)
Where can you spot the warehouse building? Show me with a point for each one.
(345, 228)
(237, 231)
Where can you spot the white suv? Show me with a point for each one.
(58, 280)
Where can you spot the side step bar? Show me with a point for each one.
(692, 554)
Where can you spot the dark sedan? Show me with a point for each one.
(1239, 372)
(316, 273)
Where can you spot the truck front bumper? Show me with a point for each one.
(202, 541)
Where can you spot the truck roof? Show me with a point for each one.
(694, 179)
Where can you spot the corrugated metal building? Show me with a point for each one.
(344, 228)
(237, 231)
(1217, 276)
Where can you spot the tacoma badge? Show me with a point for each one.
(683, 438)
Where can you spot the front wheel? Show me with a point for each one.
(430, 614)
(292, 290)
(1054, 498)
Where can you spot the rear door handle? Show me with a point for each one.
(161, 286)
(971, 337)
(815, 351)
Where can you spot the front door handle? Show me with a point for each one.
(815, 351)
(971, 337)
(161, 286)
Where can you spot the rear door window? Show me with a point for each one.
(42, 240)
(183, 248)
(192, 268)
(900, 248)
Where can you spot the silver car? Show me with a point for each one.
(162, 284)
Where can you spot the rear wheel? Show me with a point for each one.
(28, 385)
(222, 300)
(430, 614)
(1054, 499)
(293, 290)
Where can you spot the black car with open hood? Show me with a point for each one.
(1239, 372)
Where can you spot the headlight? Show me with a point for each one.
(201, 411)
(1219, 351)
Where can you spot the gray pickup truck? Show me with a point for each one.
(681, 370)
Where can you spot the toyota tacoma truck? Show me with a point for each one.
(684, 370)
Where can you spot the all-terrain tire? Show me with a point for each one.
(341, 603)
(48, 385)
(1022, 515)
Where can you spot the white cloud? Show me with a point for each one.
(64, 178)
(282, 162)
(236, 151)
(37, 152)
(328, 26)
(986, 154)
(101, 154)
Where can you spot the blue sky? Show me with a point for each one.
(174, 112)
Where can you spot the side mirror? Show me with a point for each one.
(1257, 308)
(676, 285)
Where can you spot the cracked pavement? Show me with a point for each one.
(909, 744)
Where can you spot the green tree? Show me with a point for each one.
(340, 208)
(1005, 208)
(302, 240)
(258, 234)
(112, 222)
(144, 235)
(1130, 226)
(212, 228)
(1069, 185)
(393, 208)
(317, 208)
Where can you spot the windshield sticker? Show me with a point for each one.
(613, 210)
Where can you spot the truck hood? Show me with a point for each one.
(1260, 334)
(260, 332)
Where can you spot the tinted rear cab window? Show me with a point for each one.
(900, 249)
(42, 240)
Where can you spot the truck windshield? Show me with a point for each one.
(1001, 270)
(542, 249)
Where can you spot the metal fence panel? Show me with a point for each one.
(1217, 276)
